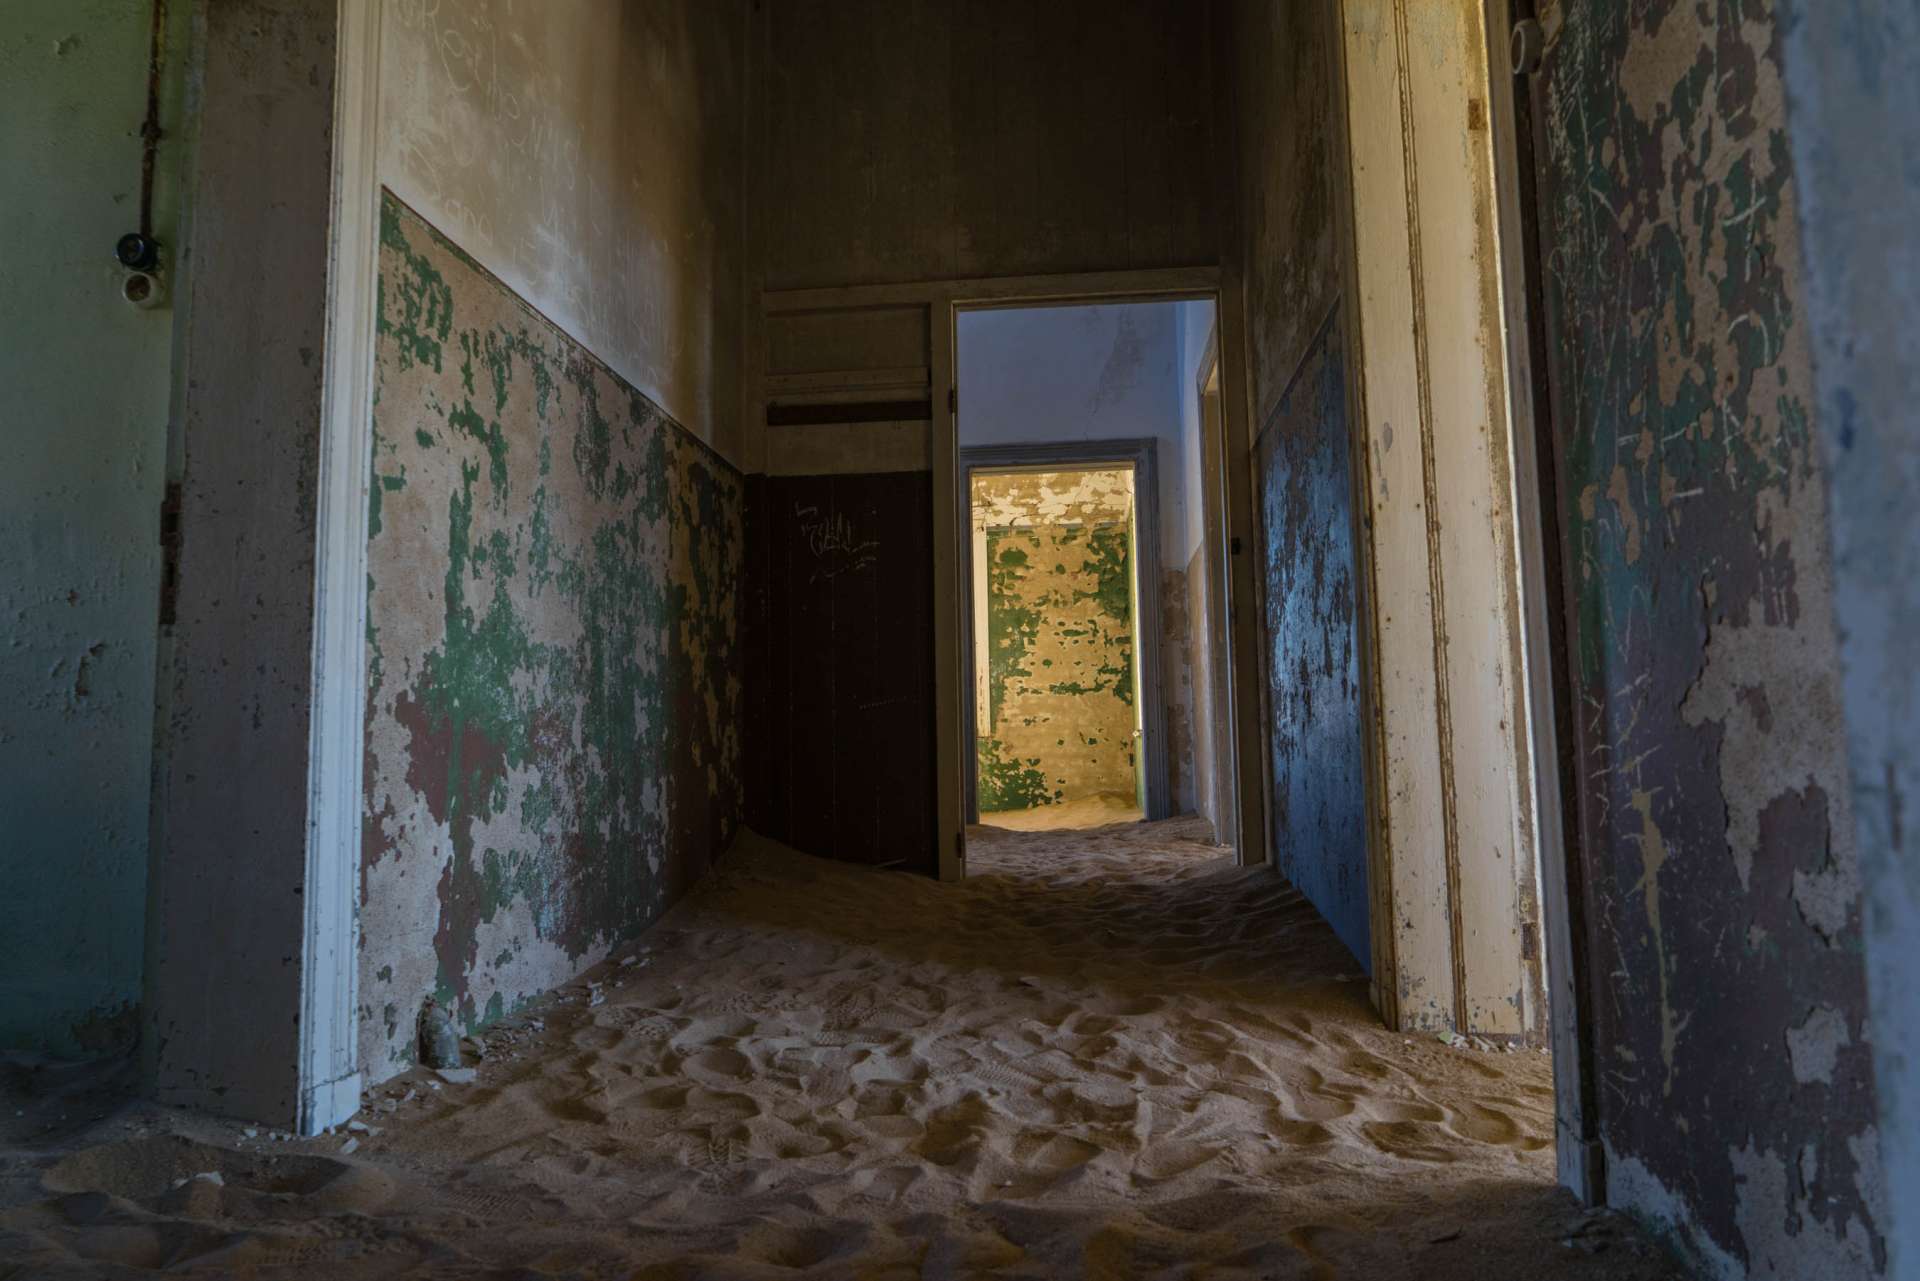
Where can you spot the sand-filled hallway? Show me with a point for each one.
(1107, 1053)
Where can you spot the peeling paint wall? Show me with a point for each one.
(1722, 883)
(554, 694)
(82, 466)
(1056, 688)
(591, 155)
(1315, 734)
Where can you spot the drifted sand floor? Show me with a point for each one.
(1108, 1053)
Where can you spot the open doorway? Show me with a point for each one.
(1092, 552)
(1062, 667)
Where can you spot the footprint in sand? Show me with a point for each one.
(315, 1256)
(1413, 1140)
(954, 1133)
(874, 1099)
(1366, 1065)
(719, 1064)
(1071, 1105)
(1171, 1158)
(1312, 1097)
(1299, 1134)
(1404, 1110)
(704, 1107)
(887, 1184)
(1490, 1125)
(788, 1246)
(717, 1161)
(653, 1027)
(1052, 1154)
(148, 1171)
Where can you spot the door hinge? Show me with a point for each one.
(953, 400)
(960, 846)
(1528, 47)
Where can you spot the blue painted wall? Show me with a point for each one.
(1314, 730)
(1853, 92)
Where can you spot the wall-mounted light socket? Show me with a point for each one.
(143, 290)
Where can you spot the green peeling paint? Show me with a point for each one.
(1010, 784)
(555, 703)
(1060, 601)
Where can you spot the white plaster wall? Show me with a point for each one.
(1194, 321)
(1203, 697)
(591, 156)
(1029, 375)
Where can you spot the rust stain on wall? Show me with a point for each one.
(1723, 891)
(554, 696)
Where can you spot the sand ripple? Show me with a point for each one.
(1106, 1054)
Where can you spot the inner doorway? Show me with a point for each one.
(1090, 553)
(1062, 667)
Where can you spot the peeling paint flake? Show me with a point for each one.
(552, 750)
(1711, 741)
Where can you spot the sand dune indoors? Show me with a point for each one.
(1105, 1054)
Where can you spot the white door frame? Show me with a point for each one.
(943, 299)
(1248, 824)
(1563, 953)
(1577, 1145)
(329, 1066)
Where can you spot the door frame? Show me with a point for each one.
(1547, 611)
(1248, 823)
(1210, 392)
(1174, 284)
(943, 299)
(329, 1068)
(1141, 454)
(1545, 623)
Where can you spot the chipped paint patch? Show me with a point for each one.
(1721, 880)
(552, 729)
(1815, 1044)
(1791, 1229)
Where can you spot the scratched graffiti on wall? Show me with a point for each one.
(553, 697)
(1055, 705)
(1723, 890)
